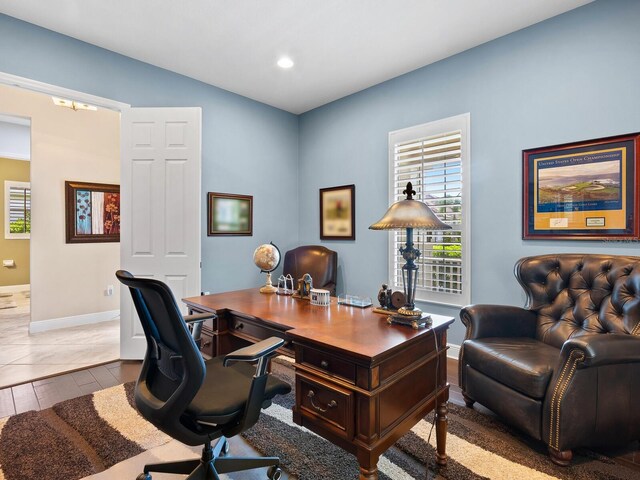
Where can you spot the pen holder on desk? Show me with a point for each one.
(320, 297)
(285, 285)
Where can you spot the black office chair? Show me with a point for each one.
(197, 401)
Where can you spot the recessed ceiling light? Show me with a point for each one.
(285, 62)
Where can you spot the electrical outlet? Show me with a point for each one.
(109, 290)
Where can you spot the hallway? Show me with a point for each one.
(25, 357)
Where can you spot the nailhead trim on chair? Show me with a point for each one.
(636, 329)
(575, 356)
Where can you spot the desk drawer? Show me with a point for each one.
(249, 328)
(207, 343)
(327, 405)
(329, 364)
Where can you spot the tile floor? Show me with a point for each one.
(26, 357)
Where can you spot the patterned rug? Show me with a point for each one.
(479, 447)
(89, 434)
(75, 438)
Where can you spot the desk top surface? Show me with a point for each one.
(355, 330)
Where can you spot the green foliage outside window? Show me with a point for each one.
(22, 225)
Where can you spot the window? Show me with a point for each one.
(17, 209)
(434, 157)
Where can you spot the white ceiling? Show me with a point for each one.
(339, 46)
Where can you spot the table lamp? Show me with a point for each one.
(410, 214)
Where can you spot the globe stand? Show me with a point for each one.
(268, 287)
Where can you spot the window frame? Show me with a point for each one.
(460, 123)
(8, 235)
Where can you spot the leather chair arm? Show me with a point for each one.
(603, 349)
(484, 321)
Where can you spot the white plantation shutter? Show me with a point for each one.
(17, 209)
(434, 157)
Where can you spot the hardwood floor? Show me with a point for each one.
(44, 393)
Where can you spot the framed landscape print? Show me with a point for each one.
(582, 191)
(92, 212)
(229, 214)
(338, 213)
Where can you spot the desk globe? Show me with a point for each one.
(267, 258)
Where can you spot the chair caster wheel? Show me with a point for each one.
(144, 476)
(274, 473)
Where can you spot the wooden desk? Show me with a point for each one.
(360, 383)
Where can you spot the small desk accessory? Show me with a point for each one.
(305, 284)
(267, 258)
(354, 301)
(285, 285)
(320, 297)
(409, 214)
(390, 301)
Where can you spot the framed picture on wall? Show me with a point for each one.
(229, 214)
(582, 191)
(92, 212)
(338, 213)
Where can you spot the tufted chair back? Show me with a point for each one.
(577, 294)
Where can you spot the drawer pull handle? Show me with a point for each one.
(331, 404)
(239, 326)
(324, 364)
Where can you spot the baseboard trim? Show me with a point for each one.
(74, 321)
(14, 288)
(454, 351)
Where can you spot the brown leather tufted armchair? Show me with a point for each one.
(565, 369)
(318, 261)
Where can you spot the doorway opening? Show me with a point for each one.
(59, 308)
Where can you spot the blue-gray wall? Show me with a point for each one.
(570, 78)
(247, 147)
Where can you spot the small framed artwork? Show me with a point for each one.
(583, 191)
(92, 212)
(338, 213)
(229, 214)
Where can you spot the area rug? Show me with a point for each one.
(479, 447)
(89, 434)
(75, 438)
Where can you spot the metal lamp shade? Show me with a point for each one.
(409, 214)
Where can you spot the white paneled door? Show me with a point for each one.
(160, 208)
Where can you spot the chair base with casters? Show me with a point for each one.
(214, 462)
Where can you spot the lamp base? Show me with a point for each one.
(410, 312)
(415, 322)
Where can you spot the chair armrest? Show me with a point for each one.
(603, 349)
(199, 317)
(254, 352)
(484, 321)
(194, 322)
(261, 352)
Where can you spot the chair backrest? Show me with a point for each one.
(173, 369)
(574, 294)
(319, 262)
